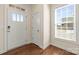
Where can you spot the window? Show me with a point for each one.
(17, 17)
(65, 23)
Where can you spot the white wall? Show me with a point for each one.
(44, 10)
(46, 25)
(1, 28)
(64, 44)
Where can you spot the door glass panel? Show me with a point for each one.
(21, 18)
(18, 17)
(13, 16)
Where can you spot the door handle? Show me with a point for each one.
(8, 28)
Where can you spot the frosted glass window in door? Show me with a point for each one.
(13, 16)
(18, 17)
(21, 18)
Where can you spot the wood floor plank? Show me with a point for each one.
(32, 49)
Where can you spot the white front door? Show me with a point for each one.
(17, 31)
(36, 28)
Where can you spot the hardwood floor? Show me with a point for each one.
(52, 50)
(32, 49)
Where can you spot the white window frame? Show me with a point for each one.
(73, 25)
